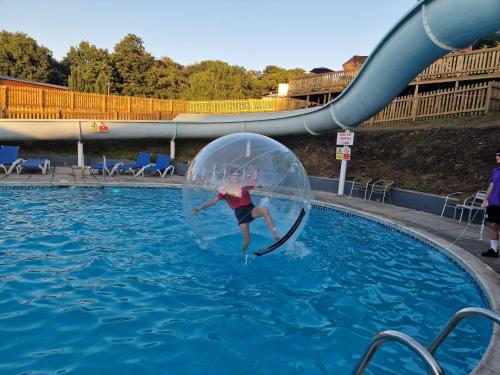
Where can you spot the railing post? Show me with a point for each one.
(104, 103)
(4, 102)
(487, 101)
(42, 99)
(415, 104)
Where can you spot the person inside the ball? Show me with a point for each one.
(236, 194)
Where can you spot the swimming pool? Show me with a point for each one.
(111, 281)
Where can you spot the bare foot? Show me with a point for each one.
(275, 236)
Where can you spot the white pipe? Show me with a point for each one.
(81, 160)
(172, 149)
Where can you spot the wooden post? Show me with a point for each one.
(42, 99)
(151, 105)
(72, 100)
(415, 104)
(4, 102)
(104, 103)
(129, 104)
(487, 101)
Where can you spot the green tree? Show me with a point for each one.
(167, 79)
(133, 65)
(213, 80)
(91, 69)
(22, 57)
(267, 82)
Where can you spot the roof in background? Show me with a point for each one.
(8, 78)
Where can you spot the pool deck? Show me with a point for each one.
(444, 232)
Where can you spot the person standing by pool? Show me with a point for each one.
(492, 204)
(236, 194)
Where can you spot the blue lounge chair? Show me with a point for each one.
(162, 167)
(34, 165)
(9, 158)
(143, 159)
(108, 166)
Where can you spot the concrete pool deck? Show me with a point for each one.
(444, 232)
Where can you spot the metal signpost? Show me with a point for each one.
(344, 139)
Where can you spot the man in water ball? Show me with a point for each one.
(236, 194)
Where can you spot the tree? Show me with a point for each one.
(133, 64)
(91, 69)
(268, 81)
(211, 80)
(167, 79)
(22, 57)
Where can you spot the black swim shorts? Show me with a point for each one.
(244, 214)
(493, 214)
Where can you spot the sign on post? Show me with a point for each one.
(346, 153)
(338, 153)
(344, 139)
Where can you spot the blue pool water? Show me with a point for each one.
(110, 281)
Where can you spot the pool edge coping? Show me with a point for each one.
(482, 273)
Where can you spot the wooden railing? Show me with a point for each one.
(477, 62)
(318, 83)
(472, 99)
(35, 103)
(457, 65)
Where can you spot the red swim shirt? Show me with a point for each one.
(235, 201)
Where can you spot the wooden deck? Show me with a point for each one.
(483, 64)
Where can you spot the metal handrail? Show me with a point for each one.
(404, 339)
(459, 315)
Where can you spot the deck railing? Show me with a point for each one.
(458, 65)
(320, 83)
(35, 103)
(466, 100)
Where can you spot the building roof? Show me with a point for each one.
(8, 78)
(357, 59)
(320, 70)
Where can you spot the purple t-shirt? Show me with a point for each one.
(494, 198)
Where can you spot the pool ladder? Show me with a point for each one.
(427, 355)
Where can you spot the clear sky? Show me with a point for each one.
(249, 33)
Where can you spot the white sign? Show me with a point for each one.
(345, 138)
(346, 153)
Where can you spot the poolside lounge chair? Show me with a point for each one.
(34, 165)
(382, 187)
(360, 184)
(143, 160)
(107, 166)
(9, 158)
(162, 167)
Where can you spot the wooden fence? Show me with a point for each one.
(35, 103)
(472, 99)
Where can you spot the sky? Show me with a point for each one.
(250, 33)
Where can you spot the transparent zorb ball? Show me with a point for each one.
(278, 182)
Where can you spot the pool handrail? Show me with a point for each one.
(467, 312)
(390, 335)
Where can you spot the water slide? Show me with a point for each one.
(428, 31)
